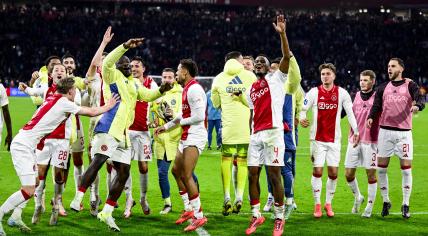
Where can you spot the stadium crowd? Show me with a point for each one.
(352, 42)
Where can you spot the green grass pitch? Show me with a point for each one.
(208, 171)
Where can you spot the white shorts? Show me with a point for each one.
(396, 142)
(192, 142)
(54, 151)
(79, 144)
(109, 146)
(24, 161)
(141, 148)
(322, 151)
(363, 155)
(266, 148)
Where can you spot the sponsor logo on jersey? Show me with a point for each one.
(322, 98)
(333, 97)
(260, 93)
(393, 98)
(185, 107)
(235, 86)
(326, 106)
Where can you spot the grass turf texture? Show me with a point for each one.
(208, 171)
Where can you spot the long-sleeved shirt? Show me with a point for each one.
(326, 110)
(117, 120)
(234, 114)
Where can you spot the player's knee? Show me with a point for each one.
(77, 160)
(175, 172)
(28, 191)
(143, 169)
(332, 176)
(349, 176)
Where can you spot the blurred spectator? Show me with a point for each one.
(206, 33)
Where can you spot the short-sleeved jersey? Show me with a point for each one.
(54, 111)
(266, 98)
(142, 109)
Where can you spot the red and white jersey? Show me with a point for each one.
(142, 109)
(54, 111)
(266, 98)
(326, 111)
(361, 110)
(193, 113)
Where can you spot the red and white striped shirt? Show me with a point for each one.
(266, 98)
(142, 109)
(54, 111)
(326, 112)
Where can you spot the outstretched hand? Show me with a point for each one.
(280, 24)
(133, 43)
(108, 35)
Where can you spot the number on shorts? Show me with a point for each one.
(275, 150)
(373, 156)
(63, 155)
(406, 147)
(146, 149)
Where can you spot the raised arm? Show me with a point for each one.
(109, 63)
(97, 59)
(286, 54)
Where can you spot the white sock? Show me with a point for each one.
(278, 211)
(371, 196)
(144, 181)
(78, 172)
(316, 188)
(128, 188)
(59, 189)
(12, 202)
(17, 212)
(354, 188)
(407, 180)
(255, 210)
(108, 207)
(38, 195)
(197, 210)
(186, 202)
(383, 183)
(95, 189)
(330, 190)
